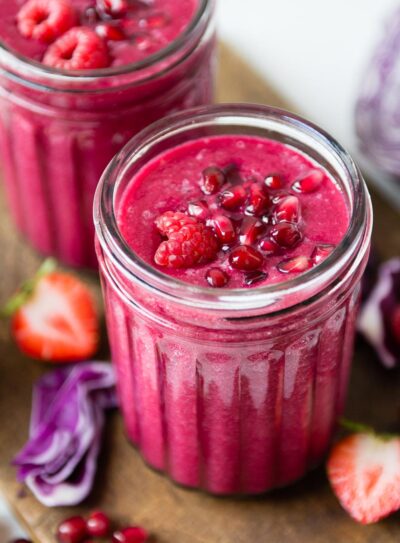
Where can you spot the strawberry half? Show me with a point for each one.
(364, 471)
(54, 318)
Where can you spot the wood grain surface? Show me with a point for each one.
(131, 492)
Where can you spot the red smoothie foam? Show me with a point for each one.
(173, 182)
(59, 130)
(220, 388)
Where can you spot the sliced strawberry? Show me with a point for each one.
(364, 471)
(56, 319)
(45, 20)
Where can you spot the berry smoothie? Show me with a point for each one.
(233, 342)
(79, 78)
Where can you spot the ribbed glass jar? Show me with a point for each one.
(59, 130)
(232, 390)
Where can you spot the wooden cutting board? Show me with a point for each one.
(128, 490)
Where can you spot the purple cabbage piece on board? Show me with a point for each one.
(58, 463)
(376, 320)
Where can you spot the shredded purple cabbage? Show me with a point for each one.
(376, 320)
(378, 107)
(58, 463)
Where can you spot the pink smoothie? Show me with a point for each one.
(230, 405)
(173, 181)
(58, 132)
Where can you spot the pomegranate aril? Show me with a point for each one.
(321, 251)
(213, 179)
(288, 209)
(285, 234)
(250, 230)
(232, 175)
(245, 258)
(98, 524)
(115, 8)
(233, 197)
(253, 277)
(110, 32)
(216, 277)
(199, 210)
(134, 534)
(224, 229)
(273, 182)
(295, 265)
(309, 183)
(268, 246)
(72, 530)
(258, 200)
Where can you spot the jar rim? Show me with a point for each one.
(32, 68)
(347, 255)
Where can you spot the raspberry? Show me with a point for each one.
(45, 20)
(172, 221)
(189, 243)
(79, 49)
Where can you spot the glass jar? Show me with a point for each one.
(59, 130)
(232, 390)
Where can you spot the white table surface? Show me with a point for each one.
(314, 53)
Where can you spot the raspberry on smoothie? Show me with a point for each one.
(233, 212)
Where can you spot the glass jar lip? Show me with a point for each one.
(354, 243)
(25, 65)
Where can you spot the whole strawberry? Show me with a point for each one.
(53, 317)
(364, 472)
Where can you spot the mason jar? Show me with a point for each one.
(233, 391)
(59, 130)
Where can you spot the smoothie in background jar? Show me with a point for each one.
(231, 243)
(62, 122)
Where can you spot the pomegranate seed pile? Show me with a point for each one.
(81, 40)
(253, 221)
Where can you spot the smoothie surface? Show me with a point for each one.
(145, 28)
(303, 215)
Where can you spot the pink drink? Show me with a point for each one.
(234, 389)
(59, 129)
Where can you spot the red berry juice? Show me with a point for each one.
(233, 362)
(60, 128)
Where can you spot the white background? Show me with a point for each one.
(313, 52)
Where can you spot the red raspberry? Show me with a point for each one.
(79, 49)
(189, 243)
(172, 221)
(45, 20)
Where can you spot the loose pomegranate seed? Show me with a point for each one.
(250, 230)
(110, 32)
(285, 234)
(98, 524)
(134, 534)
(224, 228)
(321, 251)
(310, 182)
(268, 246)
(213, 179)
(273, 182)
(245, 258)
(233, 197)
(72, 530)
(199, 210)
(232, 174)
(288, 209)
(115, 8)
(216, 277)
(254, 277)
(258, 200)
(296, 264)
(396, 323)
